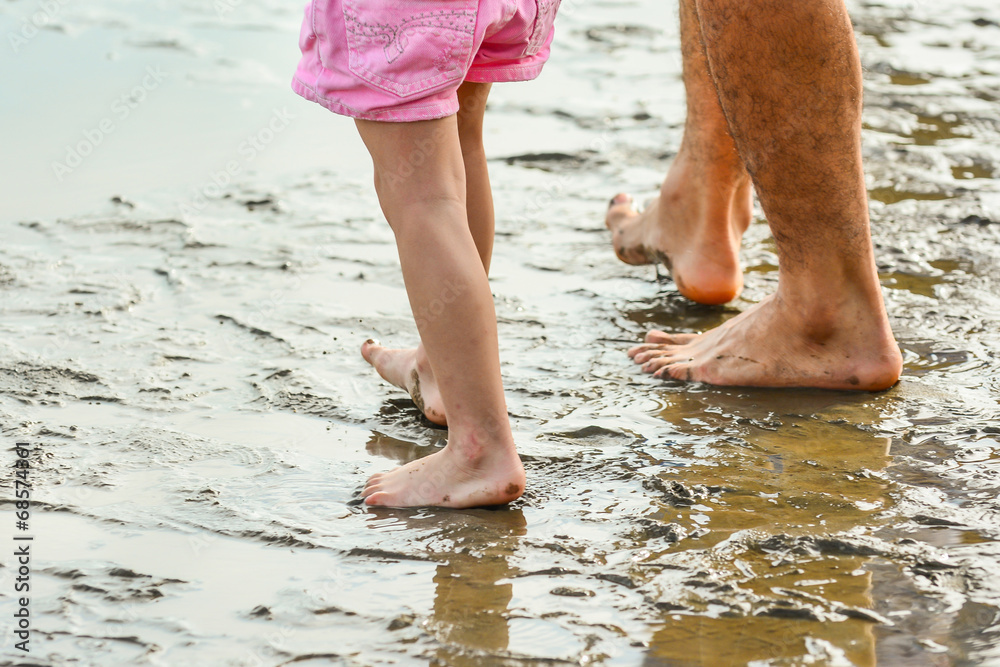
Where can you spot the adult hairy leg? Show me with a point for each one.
(788, 79)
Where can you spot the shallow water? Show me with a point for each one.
(183, 358)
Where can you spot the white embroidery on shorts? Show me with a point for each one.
(543, 25)
(456, 27)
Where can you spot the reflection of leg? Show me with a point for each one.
(479, 580)
(789, 81)
(692, 639)
(420, 179)
(463, 584)
(705, 203)
(410, 369)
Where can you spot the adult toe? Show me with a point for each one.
(662, 337)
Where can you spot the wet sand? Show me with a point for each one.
(183, 308)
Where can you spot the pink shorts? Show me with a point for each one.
(403, 60)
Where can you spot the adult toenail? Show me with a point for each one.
(620, 198)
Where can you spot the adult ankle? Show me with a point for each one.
(711, 160)
(827, 314)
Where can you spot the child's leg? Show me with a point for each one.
(410, 369)
(478, 195)
(420, 179)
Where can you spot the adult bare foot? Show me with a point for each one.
(694, 227)
(457, 476)
(773, 344)
(409, 370)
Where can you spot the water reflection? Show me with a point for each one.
(473, 589)
(473, 579)
(772, 472)
(721, 642)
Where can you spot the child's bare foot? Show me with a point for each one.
(773, 345)
(456, 476)
(694, 227)
(409, 370)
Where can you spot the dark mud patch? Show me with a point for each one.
(556, 161)
(298, 393)
(39, 384)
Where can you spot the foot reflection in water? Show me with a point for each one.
(762, 579)
(779, 632)
(470, 612)
(472, 582)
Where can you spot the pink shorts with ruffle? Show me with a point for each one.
(404, 60)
